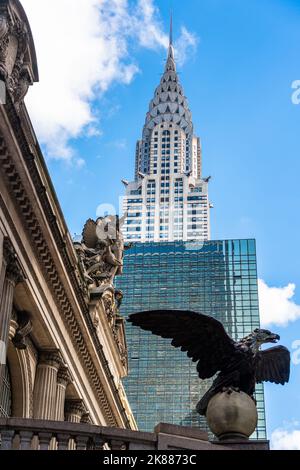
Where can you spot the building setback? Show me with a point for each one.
(218, 278)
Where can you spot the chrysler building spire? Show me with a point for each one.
(171, 30)
(171, 66)
(169, 198)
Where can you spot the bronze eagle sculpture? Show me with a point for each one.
(240, 364)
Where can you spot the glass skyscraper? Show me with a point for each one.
(218, 278)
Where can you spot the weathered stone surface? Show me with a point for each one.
(183, 431)
(232, 414)
(165, 437)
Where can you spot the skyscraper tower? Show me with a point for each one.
(174, 265)
(168, 200)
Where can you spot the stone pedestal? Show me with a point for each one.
(172, 437)
(232, 415)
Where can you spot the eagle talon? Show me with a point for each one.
(230, 390)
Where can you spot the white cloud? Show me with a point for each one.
(276, 304)
(80, 163)
(83, 47)
(151, 33)
(283, 439)
(119, 144)
(186, 43)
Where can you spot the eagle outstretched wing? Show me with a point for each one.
(203, 338)
(273, 365)
(89, 234)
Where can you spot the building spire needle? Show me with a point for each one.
(171, 29)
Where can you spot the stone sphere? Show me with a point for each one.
(232, 415)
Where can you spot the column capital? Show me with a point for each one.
(51, 357)
(64, 376)
(74, 407)
(86, 418)
(14, 271)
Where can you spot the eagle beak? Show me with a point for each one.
(274, 338)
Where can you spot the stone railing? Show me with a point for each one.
(28, 434)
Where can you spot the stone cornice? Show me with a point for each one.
(41, 248)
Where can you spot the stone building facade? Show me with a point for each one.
(62, 344)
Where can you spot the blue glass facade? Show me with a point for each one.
(218, 278)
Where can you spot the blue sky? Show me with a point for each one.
(242, 58)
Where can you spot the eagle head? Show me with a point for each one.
(264, 336)
(257, 338)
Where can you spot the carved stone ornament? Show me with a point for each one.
(23, 331)
(100, 256)
(108, 300)
(119, 339)
(101, 251)
(18, 66)
(14, 271)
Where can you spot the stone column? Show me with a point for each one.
(12, 274)
(13, 325)
(74, 409)
(86, 418)
(63, 379)
(2, 263)
(45, 385)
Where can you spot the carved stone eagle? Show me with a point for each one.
(239, 364)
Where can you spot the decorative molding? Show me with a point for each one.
(33, 229)
(119, 336)
(108, 301)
